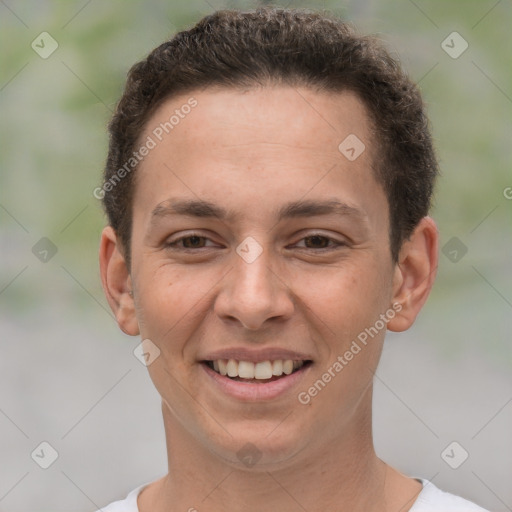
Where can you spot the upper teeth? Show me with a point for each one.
(261, 370)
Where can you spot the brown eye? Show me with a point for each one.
(192, 242)
(189, 242)
(317, 242)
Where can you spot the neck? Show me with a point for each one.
(342, 473)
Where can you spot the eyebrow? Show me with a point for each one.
(294, 209)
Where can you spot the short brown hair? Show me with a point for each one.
(241, 49)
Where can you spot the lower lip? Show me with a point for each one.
(254, 392)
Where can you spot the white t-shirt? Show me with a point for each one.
(430, 499)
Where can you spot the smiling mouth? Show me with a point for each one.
(260, 372)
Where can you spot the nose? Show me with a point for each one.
(254, 294)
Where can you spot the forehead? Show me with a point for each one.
(229, 144)
(277, 115)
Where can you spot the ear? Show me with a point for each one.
(116, 281)
(414, 274)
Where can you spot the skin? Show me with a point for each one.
(251, 152)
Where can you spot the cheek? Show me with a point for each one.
(346, 299)
(170, 303)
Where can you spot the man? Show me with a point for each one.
(267, 189)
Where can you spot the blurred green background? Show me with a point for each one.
(54, 113)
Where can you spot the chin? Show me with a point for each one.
(262, 449)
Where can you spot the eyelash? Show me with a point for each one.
(336, 243)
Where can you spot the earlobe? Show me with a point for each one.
(414, 274)
(116, 282)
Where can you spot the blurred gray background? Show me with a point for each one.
(68, 376)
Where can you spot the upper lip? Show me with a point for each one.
(255, 356)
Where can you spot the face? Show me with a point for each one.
(259, 248)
